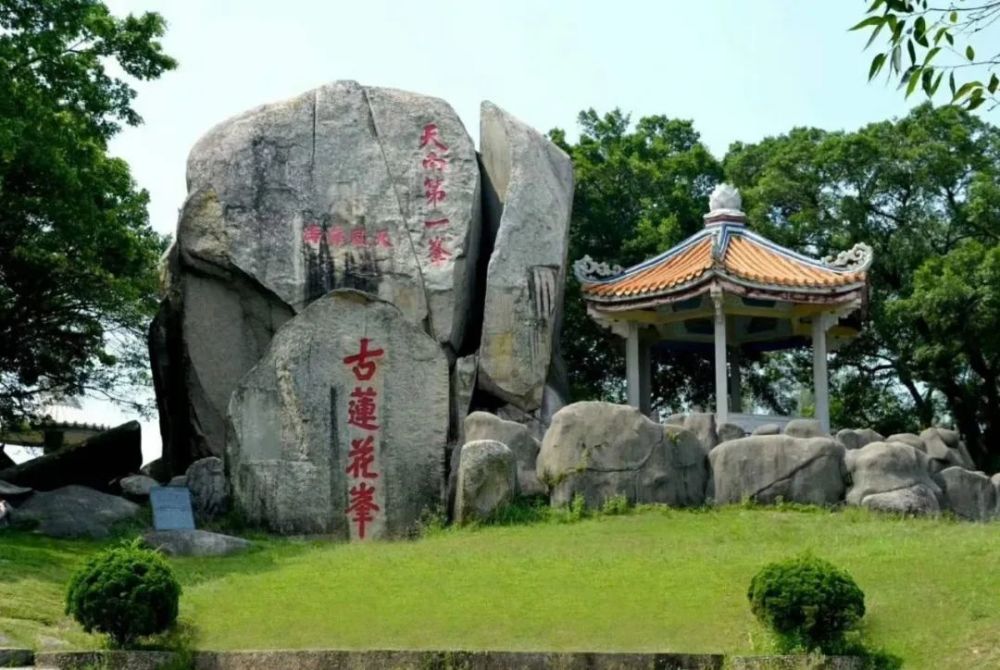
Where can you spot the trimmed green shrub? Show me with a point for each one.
(125, 592)
(809, 603)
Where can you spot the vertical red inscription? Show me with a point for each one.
(362, 410)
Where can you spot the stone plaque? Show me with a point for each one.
(171, 508)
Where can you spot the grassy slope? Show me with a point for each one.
(656, 580)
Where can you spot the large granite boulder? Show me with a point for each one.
(98, 462)
(942, 445)
(730, 431)
(344, 186)
(137, 487)
(74, 511)
(486, 426)
(487, 480)
(528, 196)
(970, 495)
(341, 428)
(892, 477)
(206, 479)
(13, 492)
(702, 425)
(769, 468)
(804, 428)
(767, 429)
(911, 439)
(599, 450)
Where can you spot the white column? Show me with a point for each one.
(637, 369)
(721, 393)
(821, 390)
(735, 381)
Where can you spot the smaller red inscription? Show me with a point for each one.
(433, 223)
(434, 190)
(382, 239)
(312, 234)
(362, 455)
(359, 237)
(364, 361)
(430, 136)
(335, 237)
(434, 162)
(361, 408)
(362, 506)
(437, 250)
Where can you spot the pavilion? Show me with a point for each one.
(730, 291)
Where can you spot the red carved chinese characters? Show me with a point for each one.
(362, 416)
(434, 190)
(362, 506)
(335, 237)
(432, 223)
(434, 162)
(383, 240)
(430, 136)
(312, 234)
(438, 252)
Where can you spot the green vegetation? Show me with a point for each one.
(809, 603)
(126, 592)
(655, 579)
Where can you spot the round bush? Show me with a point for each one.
(808, 602)
(125, 592)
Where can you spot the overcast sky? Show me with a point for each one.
(740, 69)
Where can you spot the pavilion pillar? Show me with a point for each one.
(637, 369)
(821, 391)
(721, 392)
(735, 381)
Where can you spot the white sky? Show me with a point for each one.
(741, 69)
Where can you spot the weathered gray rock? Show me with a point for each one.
(676, 419)
(995, 479)
(893, 477)
(767, 429)
(74, 511)
(137, 487)
(206, 479)
(911, 439)
(463, 384)
(867, 436)
(195, 543)
(804, 428)
(849, 438)
(156, 470)
(179, 480)
(12, 492)
(702, 425)
(970, 495)
(345, 186)
(940, 451)
(766, 468)
(487, 480)
(730, 431)
(95, 463)
(486, 426)
(528, 196)
(599, 450)
(5, 513)
(319, 435)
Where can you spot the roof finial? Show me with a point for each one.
(725, 205)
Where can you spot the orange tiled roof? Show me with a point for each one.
(727, 250)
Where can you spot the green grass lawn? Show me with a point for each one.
(658, 579)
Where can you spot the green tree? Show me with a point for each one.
(916, 189)
(921, 43)
(638, 190)
(77, 254)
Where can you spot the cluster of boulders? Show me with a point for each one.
(350, 277)
(599, 450)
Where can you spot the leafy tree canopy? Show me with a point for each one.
(920, 42)
(77, 254)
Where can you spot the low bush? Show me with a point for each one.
(125, 592)
(808, 603)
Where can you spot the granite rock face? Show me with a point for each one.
(892, 477)
(341, 428)
(766, 468)
(730, 431)
(487, 480)
(486, 426)
(137, 487)
(528, 193)
(804, 428)
(195, 543)
(206, 479)
(74, 511)
(600, 450)
(702, 425)
(970, 495)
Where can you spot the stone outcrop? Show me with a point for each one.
(599, 450)
(945, 448)
(195, 543)
(486, 426)
(341, 428)
(487, 480)
(206, 479)
(74, 511)
(137, 487)
(768, 468)
(730, 431)
(804, 428)
(892, 477)
(767, 429)
(970, 495)
(528, 194)
(702, 425)
(97, 463)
